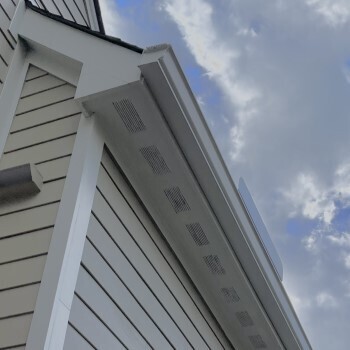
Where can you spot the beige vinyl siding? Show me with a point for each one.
(43, 135)
(14, 331)
(76, 341)
(7, 41)
(72, 10)
(132, 282)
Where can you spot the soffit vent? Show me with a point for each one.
(214, 264)
(230, 295)
(257, 342)
(129, 116)
(197, 233)
(176, 199)
(244, 319)
(155, 160)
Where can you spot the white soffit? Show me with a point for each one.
(154, 164)
(164, 146)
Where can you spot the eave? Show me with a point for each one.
(154, 84)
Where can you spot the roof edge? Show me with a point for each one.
(82, 28)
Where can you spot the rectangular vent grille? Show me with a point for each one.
(197, 234)
(230, 295)
(244, 319)
(214, 264)
(257, 342)
(129, 116)
(177, 200)
(155, 160)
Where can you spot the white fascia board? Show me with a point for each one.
(169, 87)
(103, 65)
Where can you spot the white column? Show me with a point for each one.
(56, 292)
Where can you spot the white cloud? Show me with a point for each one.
(300, 304)
(347, 261)
(314, 201)
(310, 199)
(340, 239)
(334, 12)
(112, 21)
(218, 58)
(326, 300)
(311, 242)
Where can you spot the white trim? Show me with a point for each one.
(51, 314)
(60, 67)
(117, 66)
(11, 92)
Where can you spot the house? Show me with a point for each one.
(120, 226)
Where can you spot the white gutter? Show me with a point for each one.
(168, 84)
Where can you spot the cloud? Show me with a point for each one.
(326, 300)
(341, 240)
(334, 12)
(312, 201)
(113, 22)
(347, 261)
(315, 201)
(219, 60)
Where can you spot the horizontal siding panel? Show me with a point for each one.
(169, 267)
(91, 327)
(5, 49)
(92, 294)
(143, 265)
(34, 72)
(21, 272)
(9, 7)
(54, 169)
(4, 20)
(3, 71)
(24, 246)
(43, 83)
(119, 292)
(50, 192)
(14, 331)
(77, 14)
(74, 341)
(45, 115)
(45, 98)
(141, 290)
(18, 301)
(82, 7)
(39, 153)
(63, 8)
(51, 7)
(28, 220)
(42, 133)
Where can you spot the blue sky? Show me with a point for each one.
(273, 80)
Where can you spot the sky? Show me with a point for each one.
(273, 81)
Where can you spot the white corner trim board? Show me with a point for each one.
(11, 91)
(51, 314)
